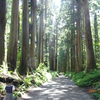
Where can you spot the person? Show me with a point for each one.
(9, 89)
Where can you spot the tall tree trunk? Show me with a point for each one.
(45, 41)
(73, 38)
(25, 40)
(96, 37)
(12, 48)
(68, 64)
(53, 47)
(33, 32)
(88, 37)
(2, 29)
(51, 60)
(41, 32)
(40, 36)
(79, 53)
(56, 47)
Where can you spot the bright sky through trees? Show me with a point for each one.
(57, 3)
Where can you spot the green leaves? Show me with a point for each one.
(83, 79)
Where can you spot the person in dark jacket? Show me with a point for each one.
(9, 89)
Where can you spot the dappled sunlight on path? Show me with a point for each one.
(60, 88)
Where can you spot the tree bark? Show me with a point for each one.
(51, 61)
(56, 47)
(40, 36)
(25, 40)
(2, 29)
(45, 41)
(33, 32)
(13, 39)
(96, 37)
(88, 37)
(41, 32)
(79, 53)
(68, 63)
(73, 39)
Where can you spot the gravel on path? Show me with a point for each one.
(59, 88)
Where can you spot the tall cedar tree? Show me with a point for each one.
(88, 37)
(52, 49)
(12, 48)
(56, 47)
(2, 29)
(45, 41)
(25, 40)
(40, 36)
(68, 50)
(79, 53)
(96, 37)
(73, 38)
(33, 31)
(41, 32)
(51, 53)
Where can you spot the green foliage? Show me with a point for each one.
(54, 73)
(70, 74)
(89, 79)
(41, 74)
(79, 75)
(17, 94)
(1, 87)
(97, 95)
(83, 79)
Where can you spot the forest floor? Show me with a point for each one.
(59, 88)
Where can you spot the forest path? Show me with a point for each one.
(60, 88)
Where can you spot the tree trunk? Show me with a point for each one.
(41, 32)
(79, 53)
(96, 37)
(45, 33)
(88, 37)
(25, 40)
(2, 29)
(56, 47)
(33, 32)
(51, 61)
(68, 64)
(73, 39)
(12, 48)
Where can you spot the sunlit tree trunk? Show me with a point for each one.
(33, 32)
(45, 40)
(51, 52)
(79, 53)
(25, 40)
(2, 29)
(40, 36)
(88, 37)
(12, 48)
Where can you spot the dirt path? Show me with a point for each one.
(60, 88)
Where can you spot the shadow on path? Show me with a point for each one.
(60, 88)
